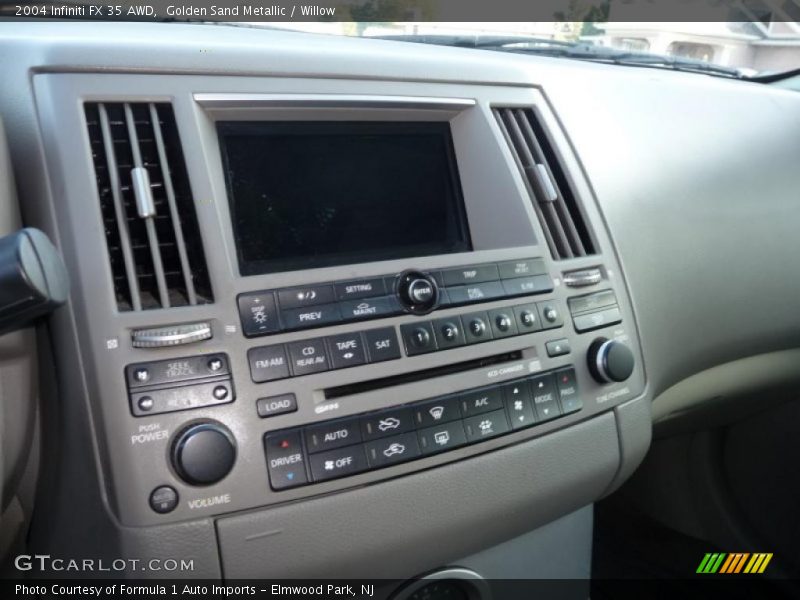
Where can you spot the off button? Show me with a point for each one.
(338, 463)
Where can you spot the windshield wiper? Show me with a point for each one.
(575, 50)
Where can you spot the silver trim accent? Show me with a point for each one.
(152, 234)
(166, 174)
(476, 587)
(600, 361)
(330, 101)
(549, 189)
(145, 205)
(119, 208)
(177, 335)
(582, 278)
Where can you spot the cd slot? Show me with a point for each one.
(386, 382)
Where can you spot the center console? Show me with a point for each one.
(308, 290)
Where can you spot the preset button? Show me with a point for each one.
(449, 333)
(477, 328)
(419, 338)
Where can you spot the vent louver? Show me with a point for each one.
(555, 203)
(148, 211)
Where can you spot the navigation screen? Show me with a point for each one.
(315, 194)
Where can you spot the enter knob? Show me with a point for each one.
(417, 292)
(610, 361)
(204, 453)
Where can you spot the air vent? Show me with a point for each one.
(559, 213)
(151, 229)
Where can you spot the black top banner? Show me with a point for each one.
(373, 11)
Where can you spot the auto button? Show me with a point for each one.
(332, 435)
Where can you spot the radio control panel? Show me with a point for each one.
(415, 292)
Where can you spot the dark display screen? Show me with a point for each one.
(316, 194)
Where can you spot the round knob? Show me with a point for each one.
(417, 292)
(203, 453)
(610, 361)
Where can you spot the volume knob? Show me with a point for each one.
(610, 361)
(204, 453)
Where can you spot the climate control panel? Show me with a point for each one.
(344, 447)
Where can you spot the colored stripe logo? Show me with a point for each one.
(734, 562)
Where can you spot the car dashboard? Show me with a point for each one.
(348, 308)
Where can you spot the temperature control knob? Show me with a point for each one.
(418, 292)
(204, 453)
(610, 361)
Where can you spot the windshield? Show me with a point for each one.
(746, 49)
